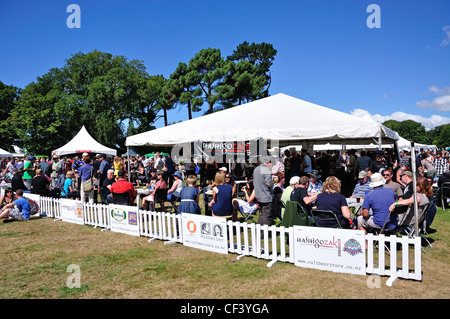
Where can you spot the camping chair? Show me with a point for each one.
(121, 198)
(444, 187)
(175, 202)
(312, 221)
(410, 230)
(293, 216)
(323, 216)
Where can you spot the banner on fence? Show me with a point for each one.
(205, 232)
(338, 250)
(124, 219)
(72, 211)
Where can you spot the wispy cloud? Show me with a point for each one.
(428, 123)
(440, 103)
(446, 40)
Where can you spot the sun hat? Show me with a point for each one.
(362, 174)
(315, 174)
(178, 174)
(376, 180)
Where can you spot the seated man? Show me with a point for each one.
(315, 184)
(300, 194)
(123, 186)
(105, 192)
(387, 175)
(19, 209)
(293, 182)
(362, 187)
(379, 200)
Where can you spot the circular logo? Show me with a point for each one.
(353, 247)
(191, 227)
(118, 214)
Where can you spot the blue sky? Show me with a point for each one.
(326, 52)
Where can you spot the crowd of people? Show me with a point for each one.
(321, 181)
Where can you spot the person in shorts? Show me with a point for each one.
(19, 209)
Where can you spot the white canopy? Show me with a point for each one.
(4, 153)
(279, 117)
(83, 142)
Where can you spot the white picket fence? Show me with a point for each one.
(272, 243)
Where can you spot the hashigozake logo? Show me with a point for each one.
(118, 214)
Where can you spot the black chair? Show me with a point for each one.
(160, 197)
(445, 193)
(175, 202)
(411, 230)
(325, 218)
(121, 198)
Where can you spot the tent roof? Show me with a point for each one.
(4, 153)
(83, 142)
(278, 117)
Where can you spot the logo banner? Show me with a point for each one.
(124, 219)
(337, 250)
(205, 232)
(72, 211)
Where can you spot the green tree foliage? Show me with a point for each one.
(260, 55)
(97, 90)
(211, 68)
(183, 87)
(241, 84)
(409, 129)
(443, 139)
(8, 97)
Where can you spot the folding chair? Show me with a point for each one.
(312, 221)
(325, 218)
(445, 188)
(410, 230)
(175, 202)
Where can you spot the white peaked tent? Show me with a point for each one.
(279, 117)
(4, 153)
(83, 142)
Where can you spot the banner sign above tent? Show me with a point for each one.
(239, 148)
(337, 250)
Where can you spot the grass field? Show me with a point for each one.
(36, 254)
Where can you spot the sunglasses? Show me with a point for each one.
(386, 174)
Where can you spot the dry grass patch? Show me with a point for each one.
(36, 254)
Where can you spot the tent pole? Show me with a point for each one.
(413, 171)
(128, 163)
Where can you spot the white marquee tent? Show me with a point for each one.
(83, 142)
(4, 153)
(279, 117)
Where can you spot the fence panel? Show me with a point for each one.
(262, 241)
